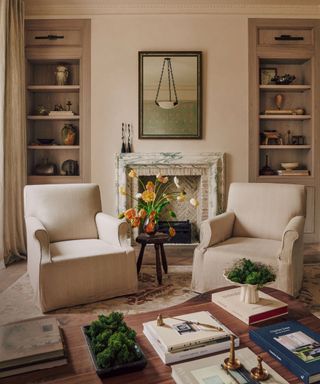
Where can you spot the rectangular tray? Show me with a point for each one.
(117, 369)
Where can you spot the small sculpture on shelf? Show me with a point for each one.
(266, 170)
(41, 110)
(44, 168)
(271, 137)
(68, 134)
(285, 79)
(62, 74)
(69, 168)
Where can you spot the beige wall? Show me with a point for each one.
(116, 40)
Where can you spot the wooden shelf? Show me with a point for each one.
(287, 88)
(53, 147)
(285, 146)
(285, 117)
(56, 179)
(54, 88)
(47, 117)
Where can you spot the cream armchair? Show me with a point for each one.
(263, 222)
(76, 253)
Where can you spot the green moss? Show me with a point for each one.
(246, 271)
(112, 341)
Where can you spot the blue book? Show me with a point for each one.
(294, 345)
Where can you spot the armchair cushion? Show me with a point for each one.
(218, 258)
(86, 270)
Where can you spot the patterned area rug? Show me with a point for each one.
(17, 300)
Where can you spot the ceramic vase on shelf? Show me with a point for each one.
(62, 74)
(68, 134)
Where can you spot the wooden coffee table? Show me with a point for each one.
(80, 369)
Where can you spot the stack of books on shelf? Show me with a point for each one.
(187, 336)
(296, 347)
(268, 307)
(30, 345)
(293, 172)
(61, 113)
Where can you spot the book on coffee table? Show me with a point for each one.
(30, 342)
(187, 336)
(268, 307)
(296, 346)
(209, 370)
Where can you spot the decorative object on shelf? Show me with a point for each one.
(68, 134)
(231, 363)
(41, 110)
(285, 79)
(162, 75)
(69, 168)
(151, 202)
(58, 107)
(68, 104)
(278, 100)
(289, 166)
(46, 141)
(168, 103)
(298, 111)
(44, 168)
(266, 170)
(123, 138)
(259, 373)
(112, 346)
(129, 130)
(289, 137)
(62, 74)
(266, 74)
(298, 140)
(271, 137)
(250, 276)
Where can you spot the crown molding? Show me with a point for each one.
(87, 8)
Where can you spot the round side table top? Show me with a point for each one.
(157, 238)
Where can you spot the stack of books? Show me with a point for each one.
(188, 336)
(268, 307)
(30, 345)
(293, 172)
(61, 113)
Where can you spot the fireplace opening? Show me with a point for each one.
(182, 228)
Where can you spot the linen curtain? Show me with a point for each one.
(13, 134)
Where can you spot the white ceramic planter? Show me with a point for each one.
(249, 294)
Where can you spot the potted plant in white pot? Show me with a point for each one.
(251, 276)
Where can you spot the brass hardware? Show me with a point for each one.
(231, 362)
(259, 373)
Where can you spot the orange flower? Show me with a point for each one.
(172, 232)
(135, 222)
(152, 215)
(150, 186)
(148, 196)
(150, 227)
(133, 173)
(142, 213)
(130, 214)
(162, 179)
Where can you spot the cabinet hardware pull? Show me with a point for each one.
(49, 37)
(289, 37)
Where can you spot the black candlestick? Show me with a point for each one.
(129, 139)
(123, 147)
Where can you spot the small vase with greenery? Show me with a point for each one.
(251, 276)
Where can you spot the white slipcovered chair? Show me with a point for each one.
(263, 222)
(76, 253)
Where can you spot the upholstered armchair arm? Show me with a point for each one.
(111, 230)
(38, 239)
(216, 230)
(291, 256)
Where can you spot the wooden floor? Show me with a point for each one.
(176, 255)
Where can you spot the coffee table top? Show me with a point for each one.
(80, 369)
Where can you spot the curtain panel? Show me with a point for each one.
(13, 134)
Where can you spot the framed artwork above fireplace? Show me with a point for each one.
(170, 95)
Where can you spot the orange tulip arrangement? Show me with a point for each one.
(154, 198)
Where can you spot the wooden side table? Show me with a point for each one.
(157, 240)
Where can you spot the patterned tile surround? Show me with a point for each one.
(202, 173)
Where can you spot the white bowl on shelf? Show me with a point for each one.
(289, 166)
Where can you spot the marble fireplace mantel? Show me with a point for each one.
(208, 166)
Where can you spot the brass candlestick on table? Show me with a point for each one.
(231, 362)
(259, 373)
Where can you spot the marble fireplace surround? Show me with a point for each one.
(207, 167)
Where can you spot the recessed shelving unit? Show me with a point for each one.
(277, 138)
(43, 56)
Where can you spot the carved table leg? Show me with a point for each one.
(164, 259)
(139, 262)
(158, 264)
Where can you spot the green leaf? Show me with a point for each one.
(172, 214)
